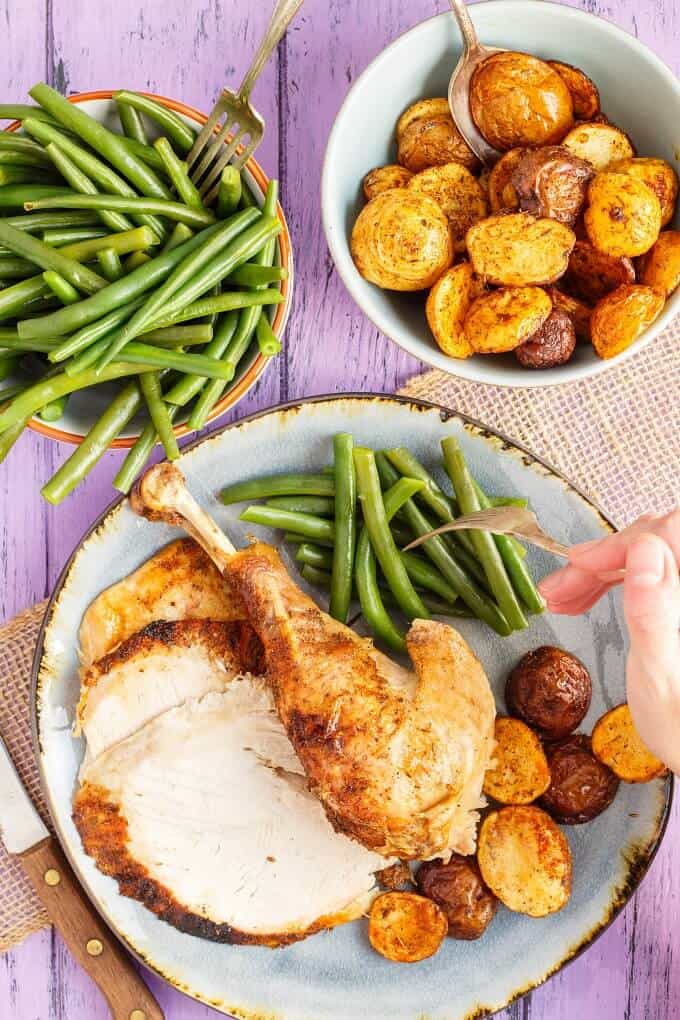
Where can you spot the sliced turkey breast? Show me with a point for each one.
(203, 815)
(157, 669)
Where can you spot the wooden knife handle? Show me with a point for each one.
(94, 947)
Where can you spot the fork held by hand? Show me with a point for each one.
(241, 121)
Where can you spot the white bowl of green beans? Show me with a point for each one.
(130, 313)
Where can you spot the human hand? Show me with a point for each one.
(649, 554)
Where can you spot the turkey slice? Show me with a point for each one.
(204, 816)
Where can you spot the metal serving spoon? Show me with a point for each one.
(459, 85)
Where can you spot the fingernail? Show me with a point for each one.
(551, 583)
(645, 561)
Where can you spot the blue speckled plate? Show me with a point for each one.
(336, 975)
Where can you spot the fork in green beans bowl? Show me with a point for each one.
(130, 314)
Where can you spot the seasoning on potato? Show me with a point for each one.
(585, 97)
(617, 744)
(623, 215)
(622, 316)
(551, 181)
(384, 178)
(458, 194)
(581, 786)
(517, 249)
(427, 136)
(405, 927)
(660, 267)
(436, 107)
(525, 860)
(503, 319)
(401, 241)
(396, 876)
(592, 273)
(520, 773)
(517, 99)
(599, 144)
(552, 344)
(658, 175)
(502, 192)
(578, 311)
(458, 888)
(550, 690)
(447, 305)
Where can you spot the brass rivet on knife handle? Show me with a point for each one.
(94, 947)
(52, 877)
(138, 1014)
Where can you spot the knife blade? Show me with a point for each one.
(70, 911)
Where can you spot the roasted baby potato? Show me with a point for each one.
(437, 107)
(552, 182)
(503, 319)
(660, 267)
(525, 860)
(618, 745)
(383, 178)
(550, 690)
(502, 192)
(516, 249)
(447, 305)
(581, 786)
(483, 181)
(457, 192)
(584, 95)
(658, 175)
(459, 890)
(405, 927)
(401, 241)
(427, 136)
(553, 344)
(623, 215)
(520, 773)
(396, 876)
(592, 273)
(599, 144)
(517, 99)
(622, 316)
(578, 311)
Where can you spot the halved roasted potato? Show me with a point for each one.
(617, 744)
(447, 305)
(431, 139)
(551, 181)
(517, 249)
(660, 267)
(599, 144)
(404, 927)
(622, 316)
(520, 773)
(517, 99)
(551, 345)
(457, 192)
(502, 192)
(623, 215)
(503, 319)
(578, 311)
(592, 273)
(436, 107)
(525, 860)
(401, 241)
(585, 97)
(658, 175)
(384, 178)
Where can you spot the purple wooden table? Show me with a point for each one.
(188, 51)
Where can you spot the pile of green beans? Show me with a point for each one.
(350, 521)
(115, 273)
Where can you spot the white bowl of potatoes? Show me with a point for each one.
(561, 260)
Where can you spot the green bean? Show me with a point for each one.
(82, 184)
(122, 203)
(19, 111)
(116, 294)
(105, 142)
(222, 303)
(252, 275)
(267, 340)
(180, 336)
(180, 233)
(110, 264)
(144, 354)
(314, 556)
(13, 174)
(15, 343)
(179, 133)
(316, 577)
(86, 336)
(502, 500)
(439, 607)
(54, 410)
(16, 299)
(439, 553)
(13, 143)
(278, 485)
(59, 238)
(487, 551)
(229, 191)
(15, 196)
(158, 412)
(345, 526)
(518, 547)
(137, 259)
(10, 392)
(97, 441)
(8, 364)
(66, 293)
(292, 538)
(178, 173)
(189, 386)
(33, 223)
(303, 524)
(27, 162)
(9, 437)
(138, 454)
(50, 258)
(321, 506)
(147, 153)
(426, 576)
(382, 542)
(15, 269)
(131, 123)
(248, 199)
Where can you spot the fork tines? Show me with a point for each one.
(241, 129)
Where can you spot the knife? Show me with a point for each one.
(67, 906)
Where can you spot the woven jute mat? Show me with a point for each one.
(617, 437)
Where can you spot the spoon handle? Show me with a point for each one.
(467, 29)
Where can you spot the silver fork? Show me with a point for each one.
(241, 121)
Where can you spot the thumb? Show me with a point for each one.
(651, 600)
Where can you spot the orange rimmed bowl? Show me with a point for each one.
(86, 406)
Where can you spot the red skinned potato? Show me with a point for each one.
(552, 344)
(581, 786)
(552, 182)
(592, 273)
(549, 689)
(458, 889)
(578, 311)
(427, 136)
(585, 97)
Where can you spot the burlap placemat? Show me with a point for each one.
(617, 437)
